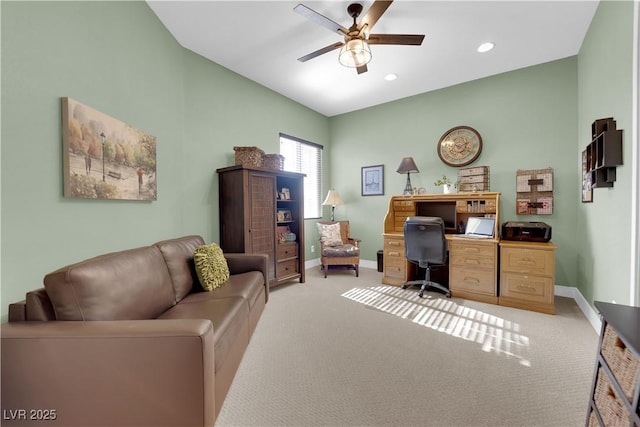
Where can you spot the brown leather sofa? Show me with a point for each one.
(130, 339)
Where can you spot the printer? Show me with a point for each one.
(526, 231)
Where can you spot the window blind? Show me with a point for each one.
(305, 157)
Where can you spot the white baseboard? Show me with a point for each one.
(561, 291)
(587, 310)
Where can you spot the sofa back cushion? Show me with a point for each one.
(127, 285)
(178, 255)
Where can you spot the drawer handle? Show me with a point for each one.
(468, 249)
(472, 279)
(472, 261)
(394, 243)
(526, 288)
(526, 261)
(394, 253)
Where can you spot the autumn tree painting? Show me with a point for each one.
(104, 158)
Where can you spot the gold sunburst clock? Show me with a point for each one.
(460, 146)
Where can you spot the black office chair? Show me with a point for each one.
(426, 246)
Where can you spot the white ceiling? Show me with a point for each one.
(261, 40)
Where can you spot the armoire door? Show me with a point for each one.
(262, 215)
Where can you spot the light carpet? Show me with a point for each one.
(347, 351)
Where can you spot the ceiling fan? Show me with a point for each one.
(355, 51)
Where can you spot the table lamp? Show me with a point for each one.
(333, 199)
(407, 165)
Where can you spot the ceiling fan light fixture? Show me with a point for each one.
(355, 53)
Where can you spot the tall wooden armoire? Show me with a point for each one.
(262, 211)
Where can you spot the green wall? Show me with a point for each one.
(605, 89)
(117, 58)
(527, 119)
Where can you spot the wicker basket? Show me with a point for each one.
(611, 408)
(273, 161)
(622, 362)
(249, 156)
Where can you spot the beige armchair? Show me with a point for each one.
(337, 247)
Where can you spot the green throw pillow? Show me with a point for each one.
(211, 266)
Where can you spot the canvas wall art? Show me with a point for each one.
(104, 158)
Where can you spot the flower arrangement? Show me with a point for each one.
(443, 181)
(446, 184)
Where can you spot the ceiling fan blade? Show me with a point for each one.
(320, 51)
(362, 69)
(322, 20)
(406, 39)
(373, 14)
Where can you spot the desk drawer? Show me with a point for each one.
(530, 261)
(467, 249)
(395, 265)
(463, 260)
(526, 287)
(472, 280)
(392, 244)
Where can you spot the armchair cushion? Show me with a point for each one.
(211, 266)
(330, 234)
(341, 251)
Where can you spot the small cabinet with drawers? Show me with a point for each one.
(473, 269)
(527, 271)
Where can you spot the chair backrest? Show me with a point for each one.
(424, 240)
(344, 229)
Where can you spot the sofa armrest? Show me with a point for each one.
(243, 263)
(139, 372)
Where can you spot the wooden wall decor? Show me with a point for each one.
(600, 157)
(534, 192)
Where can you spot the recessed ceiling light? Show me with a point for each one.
(485, 47)
(390, 77)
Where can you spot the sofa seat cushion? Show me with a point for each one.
(230, 318)
(247, 285)
(347, 250)
(127, 285)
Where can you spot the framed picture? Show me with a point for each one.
(285, 194)
(284, 215)
(373, 180)
(587, 189)
(104, 158)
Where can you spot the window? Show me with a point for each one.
(305, 157)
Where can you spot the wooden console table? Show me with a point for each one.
(473, 264)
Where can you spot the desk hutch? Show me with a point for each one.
(473, 263)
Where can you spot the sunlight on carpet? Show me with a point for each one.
(494, 334)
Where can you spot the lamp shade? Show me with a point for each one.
(333, 199)
(355, 53)
(407, 165)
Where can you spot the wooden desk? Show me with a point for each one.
(473, 263)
